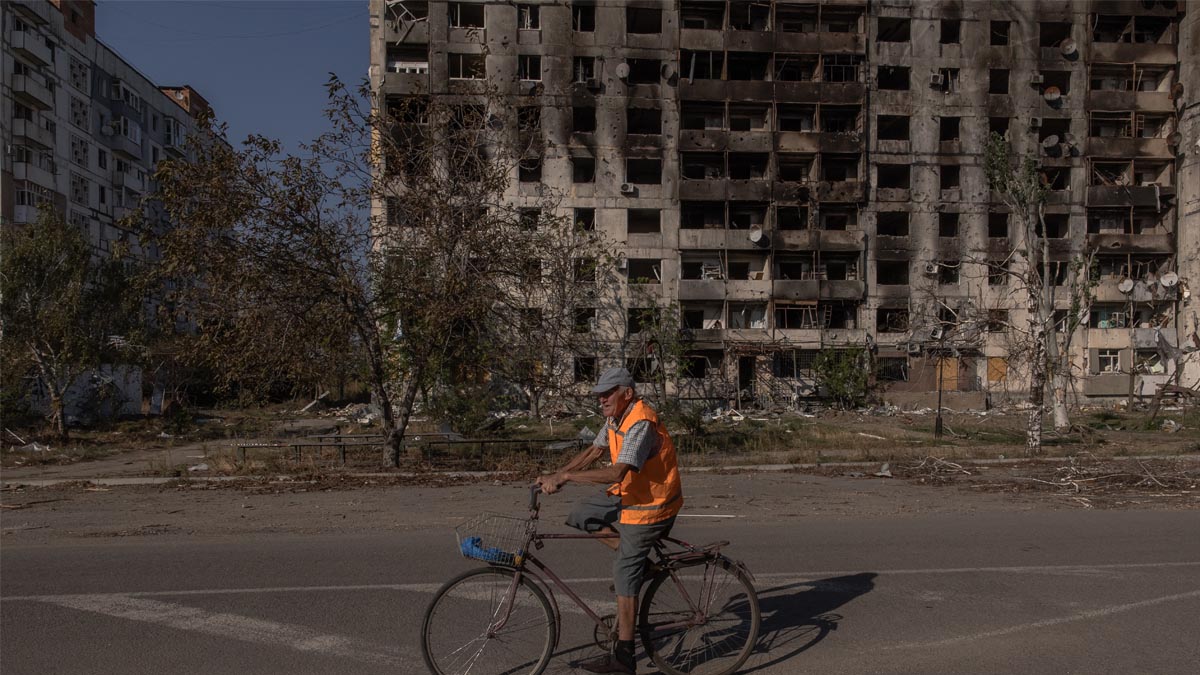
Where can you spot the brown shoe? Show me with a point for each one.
(608, 664)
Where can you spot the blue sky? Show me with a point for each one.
(261, 63)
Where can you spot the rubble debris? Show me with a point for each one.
(1171, 426)
(884, 471)
(317, 403)
(34, 447)
(203, 466)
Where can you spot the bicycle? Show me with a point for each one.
(688, 624)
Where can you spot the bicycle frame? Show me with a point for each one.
(533, 538)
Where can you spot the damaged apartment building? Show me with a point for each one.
(805, 176)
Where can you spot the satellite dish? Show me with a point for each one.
(1175, 138)
(1068, 47)
(1169, 279)
(1052, 94)
(622, 70)
(756, 234)
(667, 72)
(1177, 90)
(1050, 141)
(1125, 286)
(1070, 139)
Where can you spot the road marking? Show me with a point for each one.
(234, 626)
(786, 576)
(705, 515)
(1081, 616)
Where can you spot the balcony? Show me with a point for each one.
(805, 240)
(129, 179)
(843, 142)
(748, 289)
(122, 144)
(1132, 243)
(701, 289)
(32, 92)
(708, 238)
(1140, 53)
(1136, 195)
(703, 139)
(843, 289)
(25, 214)
(34, 132)
(33, 173)
(1142, 101)
(792, 289)
(32, 46)
(1129, 147)
(798, 141)
(842, 240)
(843, 191)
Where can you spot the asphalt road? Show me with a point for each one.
(1036, 591)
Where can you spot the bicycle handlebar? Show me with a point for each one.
(533, 493)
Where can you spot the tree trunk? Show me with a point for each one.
(408, 394)
(535, 403)
(1062, 420)
(1037, 378)
(58, 416)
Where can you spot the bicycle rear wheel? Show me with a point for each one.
(700, 620)
(457, 635)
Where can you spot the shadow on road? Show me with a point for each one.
(797, 616)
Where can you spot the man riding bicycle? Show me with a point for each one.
(640, 504)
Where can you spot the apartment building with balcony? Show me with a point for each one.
(800, 176)
(83, 128)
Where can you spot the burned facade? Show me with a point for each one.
(800, 176)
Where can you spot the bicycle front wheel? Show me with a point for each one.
(700, 620)
(465, 630)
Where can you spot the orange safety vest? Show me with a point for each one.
(654, 493)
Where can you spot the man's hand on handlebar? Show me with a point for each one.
(551, 483)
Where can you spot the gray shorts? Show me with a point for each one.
(602, 511)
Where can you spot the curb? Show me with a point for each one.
(746, 468)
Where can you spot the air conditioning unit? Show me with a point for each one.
(931, 268)
(1035, 123)
(936, 80)
(937, 333)
(627, 189)
(914, 348)
(622, 263)
(592, 83)
(1037, 79)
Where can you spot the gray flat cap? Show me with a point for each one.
(613, 377)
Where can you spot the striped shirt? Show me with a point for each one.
(640, 444)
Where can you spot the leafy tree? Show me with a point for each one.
(843, 375)
(65, 309)
(394, 233)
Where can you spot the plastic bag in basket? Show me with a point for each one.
(472, 547)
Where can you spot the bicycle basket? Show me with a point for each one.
(493, 538)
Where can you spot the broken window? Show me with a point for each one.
(1112, 28)
(585, 369)
(747, 165)
(891, 320)
(585, 319)
(796, 67)
(948, 128)
(745, 215)
(748, 117)
(951, 30)
(702, 165)
(848, 20)
(892, 369)
(1052, 33)
(748, 315)
(528, 218)
(997, 226)
(643, 221)
(644, 270)
(529, 170)
(894, 29)
(643, 20)
(697, 215)
(1153, 126)
(584, 69)
(797, 18)
(835, 168)
(945, 80)
(701, 15)
(465, 66)
(894, 176)
(1107, 316)
(413, 59)
(748, 66)
(1055, 79)
(644, 71)
(583, 170)
(529, 17)
(529, 68)
(997, 273)
(1111, 125)
(753, 15)
(894, 78)
(997, 320)
(949, 175)
(839, 119)
(583, 119)
(947, 224)
(998, 125)
(697, 115)
(466, 15)
(892, 127)
(840, 267)
(841, 67)
(948, 272)
(1055, 178)
(1152, 30)
(643, 171)
(892, 223)
(1109, 221)
(797, 117)
(638, 319)
(794, 363)
(998, 34)
(697, 365)
(891, 272)
(1057, 225)
(794, 167)
(583, 16)
(1109, 77)
(702, 65)
(585, 219)
(801, 316)
(837, 218)
(794, 267)
(529, 118)
(998, 81)
(791, 217)
(585, 271)
(643, 120)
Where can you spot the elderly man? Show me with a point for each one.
(640, 504)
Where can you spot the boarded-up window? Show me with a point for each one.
(997, 369)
